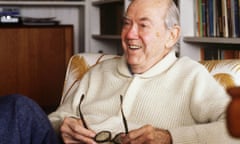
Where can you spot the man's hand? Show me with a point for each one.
(147, 135)
(72, 131)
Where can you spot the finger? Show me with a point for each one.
(73, 131)
(73, 137)
(125, 139)
(140, 131)
(143, 134)
(79, 129)
(69, 140)
(74, 125)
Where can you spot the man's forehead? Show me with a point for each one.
(150, 2)
(142, 11)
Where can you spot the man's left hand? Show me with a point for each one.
(147, 135)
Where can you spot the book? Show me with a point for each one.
(225, 18)
(199, 16)
(235, 18)
(204, 18)
(210, 54)
(219, 25)
(229, 21)
(220, 53)
(212, 18)
(230, 54)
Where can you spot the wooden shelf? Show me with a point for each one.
(42, 3)
(107, 37)
(101, 2)
(211, 40)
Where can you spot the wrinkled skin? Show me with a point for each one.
(147, 135)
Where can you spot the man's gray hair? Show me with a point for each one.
(172, 19)
(172, 15)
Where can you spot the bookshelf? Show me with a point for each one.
(105, 25)
(90, 36)
(195, 45)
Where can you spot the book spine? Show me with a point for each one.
(219, 25)
(204, 21)
(235, 18)
(225, 18)
(211, 18)
(229, 17)
(196, 18)
(214, 17)
(239, 16)
(200, 29)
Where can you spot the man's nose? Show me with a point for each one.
(132, 32)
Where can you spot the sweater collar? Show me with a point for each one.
(158, 68)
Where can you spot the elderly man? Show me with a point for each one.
(164, 99)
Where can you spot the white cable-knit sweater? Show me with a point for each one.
(176, 94)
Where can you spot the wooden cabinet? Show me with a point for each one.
(33, 62)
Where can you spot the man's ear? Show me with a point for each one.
(173, 36)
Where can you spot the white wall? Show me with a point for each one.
(188, 26)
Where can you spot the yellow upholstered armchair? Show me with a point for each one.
(78, 65)
(226, 72)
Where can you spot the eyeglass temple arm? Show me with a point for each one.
(80, 113)
(123, 116)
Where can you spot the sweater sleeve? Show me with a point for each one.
(207, 105)
(69, 107)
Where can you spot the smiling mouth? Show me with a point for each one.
(134, 47)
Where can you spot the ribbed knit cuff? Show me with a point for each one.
(183, 136)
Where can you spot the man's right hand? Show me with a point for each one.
(72, 131)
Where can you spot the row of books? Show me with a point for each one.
(219, 54)
(217, 18)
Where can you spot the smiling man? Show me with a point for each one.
(165, 99)
(146, 37)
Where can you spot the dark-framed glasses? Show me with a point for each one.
(106, 136)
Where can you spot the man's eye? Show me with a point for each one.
(143, 25)
(126, 23)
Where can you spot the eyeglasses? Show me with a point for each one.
(106, 136)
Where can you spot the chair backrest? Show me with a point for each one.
(226, 72)
(78, 65)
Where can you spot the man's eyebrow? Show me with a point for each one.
(125, 17)
(145, 19)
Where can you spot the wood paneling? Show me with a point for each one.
(33, 62)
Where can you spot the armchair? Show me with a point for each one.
(226, 72)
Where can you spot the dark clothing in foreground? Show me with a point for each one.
(22, 121)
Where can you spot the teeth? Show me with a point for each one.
(134, 47)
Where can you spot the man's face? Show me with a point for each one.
(144, 34)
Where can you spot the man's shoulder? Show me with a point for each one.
(190, 65)
(107, 64)
(186, 61)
